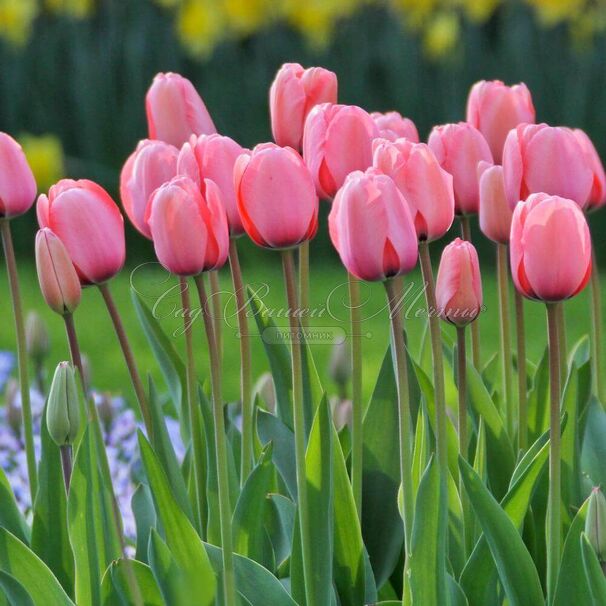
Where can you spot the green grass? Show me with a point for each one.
(328, 292)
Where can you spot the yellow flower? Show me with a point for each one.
(78, 9)
(441, 35)
(414, 12)
(199, 26)
(551, 12)
(479, 11)
(16, 19)
(45, 156)
(247, 16)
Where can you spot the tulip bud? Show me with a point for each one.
(494, 109)
(37, 342)
(17, 183)
(13, 406)
(106, 409)
(342, 412)
(276, 198)
(550, 248)
(175, 111)
(266, 391)
(495, 212)
(371, 227)
(292, 95)
(339, 368)
(459, 285)
(597, 195)
(63, 407)
(58, 279)
(595, 523)
(392, 126)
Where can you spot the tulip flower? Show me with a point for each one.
(58, 279)
(371, 227)
(550, 248)
(276, 198)
(84, 217)
(459, 149)
(549, 159)
(152, 164)
(426, 187)
(459, 285)
(213, 157)
(337, 140)
(393, 126)
(597, 195)
(17, 183)
(175, 110)
(495, 108)
(293, 93)
(495, 212)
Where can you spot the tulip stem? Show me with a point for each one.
(128, 357)
(475, 326)
(215, 290)
(596, 319)
(66, 464)
(304, 282)
(405, 433)
(506, 361)
(247, 455)
(229, 591)
(522, 380)
(13, 279)
(563, 348)
(553, 510)
(357, 444)
(299, 428)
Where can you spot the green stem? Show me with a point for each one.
(522, 380)
(66, 464)
(215, 290)
(563, 347)
(504, 316)
(128, 357)
(28, 431)
(299, 428)
(304, 282)
(553, 510)
(475, 326)
(356, 380)
(596, 337)
(229, 589)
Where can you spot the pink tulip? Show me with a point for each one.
(88, 222)
(426, 187)
(17, 183)
(190, 232)
(549, 159)
(149, 166)
(459, 284)
(336, 141)
(597, 196)
(276, 198)
(494, 109)
(293, 93)
(175, 110)
(58, 279)
(459, 149)
(550, 248)
(393, 126)
(213, 157)
(371, 227)
(495, 212)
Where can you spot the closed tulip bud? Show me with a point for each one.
(339, 367)
(392, 126)
(597, 195)
(550, 248)
(17, 183)
(57, 276)
(37, 342)
(459, 284)
(213, 157)
(426, 187)
(495, 212)
(459, 149)
(151, 165)
(293, 93)
(337, 140)
(13, 406)
(189, 231)
(595, 523)
(545, 159)
(88, 222)
(175, 111)
(371, 227)
(63, 407)
(342, 413)
(495, 108)
(276, 197)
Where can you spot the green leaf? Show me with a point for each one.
(28, 570)
(282, 518)
(594, 444)
(10, 515)
(538, 400)
(516, 569)
(145, 519)
(593, 572)
(170, 578)
(14, 591)
(421, 450)
(115, 587)
(182, 540)
(91, 524)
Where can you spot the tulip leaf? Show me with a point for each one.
(142, 506)
(594, 444)
(10, 515)
(170, 578)
(538, 400)
(283, 512)
(593, 572)
(115, 586)
(14, 591)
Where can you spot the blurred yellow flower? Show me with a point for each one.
(479, 11)
(551, 12)
(45, 156)
(16, 19)
(441, 35)
(415, 12)
(200, 26)
(247, 16)
(78, 9)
